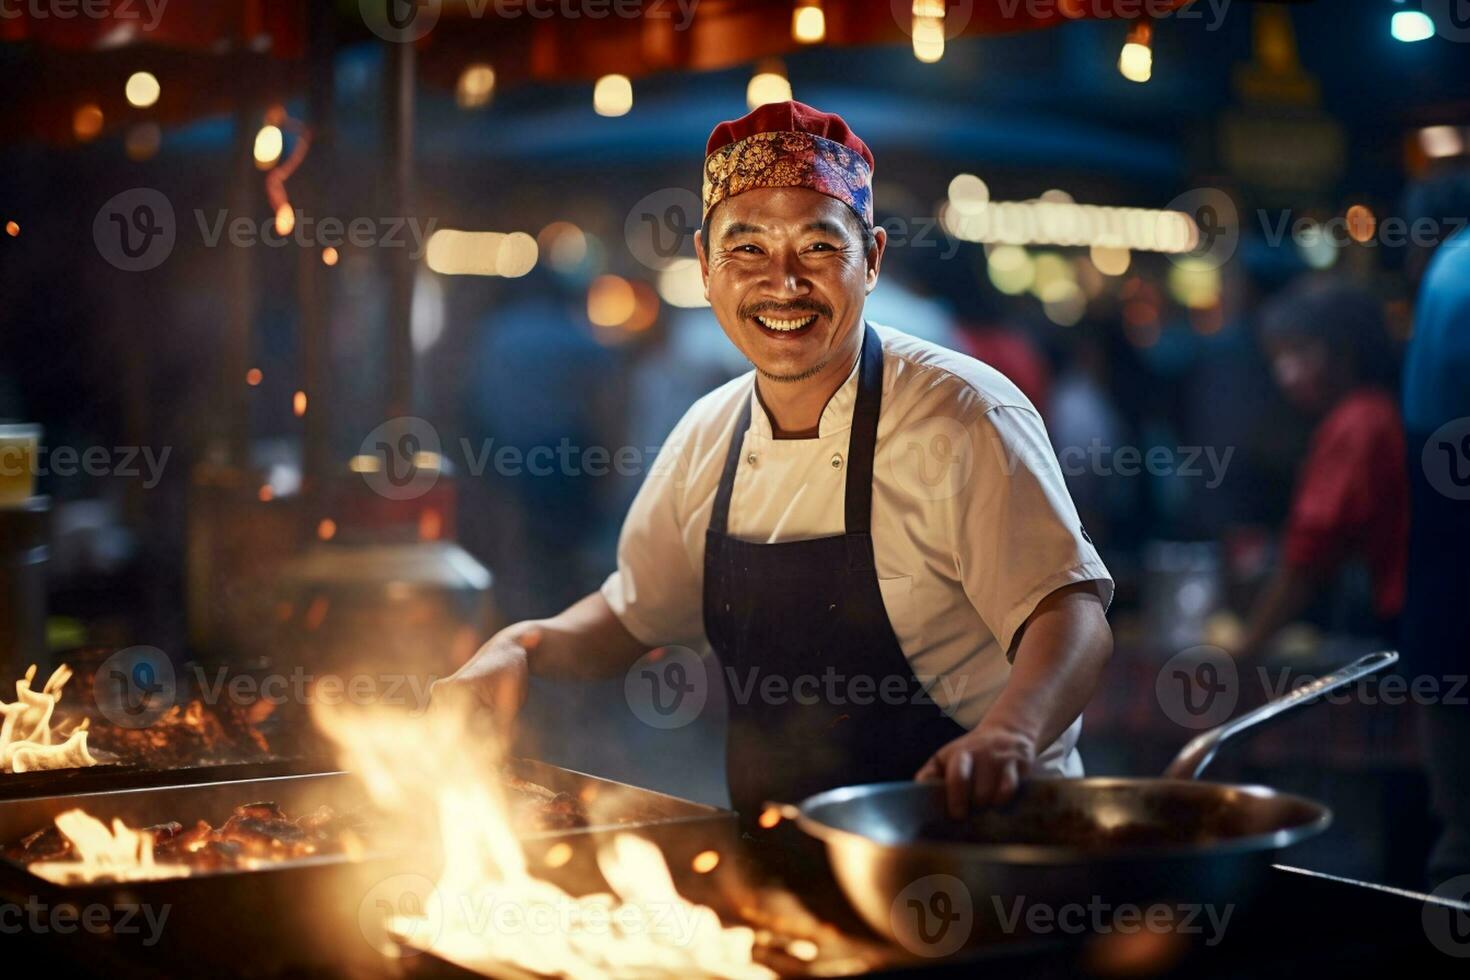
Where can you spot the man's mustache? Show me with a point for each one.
(772, 307)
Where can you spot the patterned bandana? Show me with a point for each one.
(788, 144)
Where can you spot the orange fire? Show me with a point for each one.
(28, 739)
(119, 854)
(488, 911)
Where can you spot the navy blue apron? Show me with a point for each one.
(820, 692)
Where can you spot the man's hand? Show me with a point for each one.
(1059, 654)
(982, 767)
(497, 676)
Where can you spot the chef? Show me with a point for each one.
(871, 531)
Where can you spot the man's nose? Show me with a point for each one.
(786, 275)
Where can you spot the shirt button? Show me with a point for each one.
(837, 461)
(750, 459)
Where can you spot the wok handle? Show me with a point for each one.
(1193, 758)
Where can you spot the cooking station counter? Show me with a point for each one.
(1301, 922)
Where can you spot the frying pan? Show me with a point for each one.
(1064, 841)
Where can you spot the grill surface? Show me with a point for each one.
(317, 915)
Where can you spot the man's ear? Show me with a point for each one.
(875, 257)
(703, 261)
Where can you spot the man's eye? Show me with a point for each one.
(748, 248)
(823, 247)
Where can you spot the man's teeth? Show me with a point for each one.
(771, 323)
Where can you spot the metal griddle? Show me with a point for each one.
(315, 915)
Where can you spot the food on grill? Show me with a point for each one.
(28, 740)
(262, 832)
(190, 735)
(534, 808)
(254, 833)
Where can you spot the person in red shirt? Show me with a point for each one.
(1332, 357)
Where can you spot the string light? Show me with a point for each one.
(329, 256)
(142, 89)
(86, 123)
(476, 85)
(12, 229)
(769, 84)
(268, 146)
(1410, 26)
(611, 301)
(285, 220)
(613, 95)
(928, 30)
(1136, 61)
(808, 22)
(1441, 141)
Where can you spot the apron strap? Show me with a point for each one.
(720, 516)
(862, 441)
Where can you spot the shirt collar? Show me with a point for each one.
(836, 416)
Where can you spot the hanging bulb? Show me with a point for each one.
(928, 30)
(768, 84)
(808, 22)
(1136, 62)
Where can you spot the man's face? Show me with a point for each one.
(786, 274)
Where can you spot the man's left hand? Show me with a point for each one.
(983, 767)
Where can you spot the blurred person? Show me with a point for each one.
(1085, 419)
(542, 393)
(793, 520)
(1436, 403)
(1331, 355)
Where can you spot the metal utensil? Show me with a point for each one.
(1064, 841)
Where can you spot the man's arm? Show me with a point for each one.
(585, 640)
(1059, 657)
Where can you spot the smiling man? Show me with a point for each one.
(871, 531)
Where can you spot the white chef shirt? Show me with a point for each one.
(972, 524)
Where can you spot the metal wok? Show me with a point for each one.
(1172, 841)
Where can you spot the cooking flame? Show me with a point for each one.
(489, 912)
(119, 854)
(27, 737)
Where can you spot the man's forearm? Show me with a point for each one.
(586, 640)
(1059, 660)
